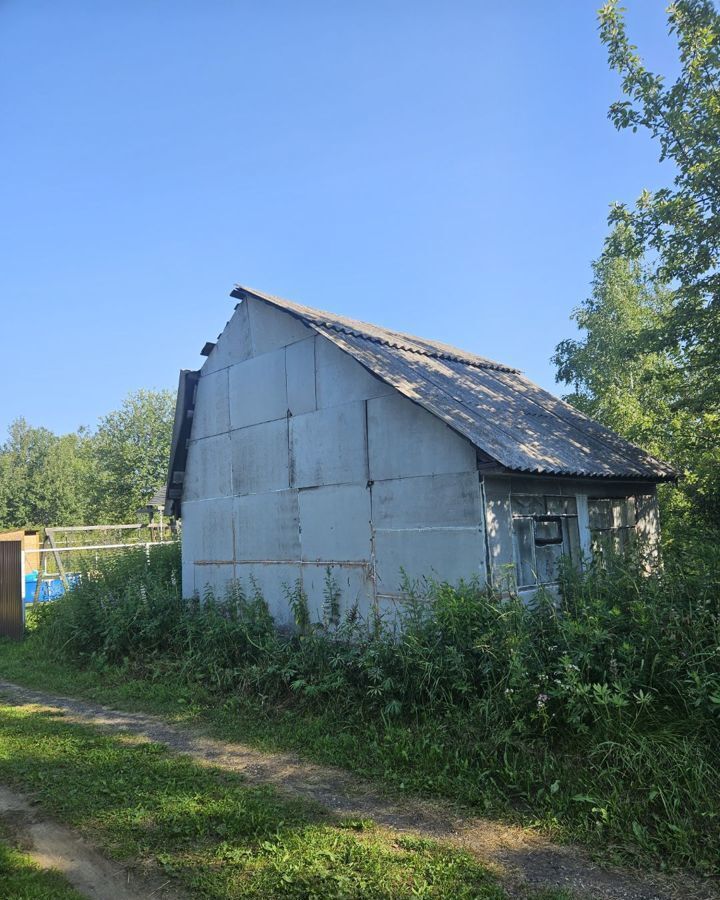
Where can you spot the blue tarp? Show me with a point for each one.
(51, 588)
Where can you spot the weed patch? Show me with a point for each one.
(598, 717)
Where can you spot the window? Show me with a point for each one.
(612, 524)
(545, 528)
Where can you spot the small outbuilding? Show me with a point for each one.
(310, 442)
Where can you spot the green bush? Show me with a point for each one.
(600, 712)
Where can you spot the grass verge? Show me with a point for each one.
(22, 879)
(597, 719)
(217, 836)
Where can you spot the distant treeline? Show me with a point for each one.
(89, 476)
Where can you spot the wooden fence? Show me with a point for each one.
(11, 590)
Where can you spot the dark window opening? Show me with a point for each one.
(545, 529)
(548, 530)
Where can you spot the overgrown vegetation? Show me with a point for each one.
(205, 827)
(599, 717)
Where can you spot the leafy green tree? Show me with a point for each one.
(66, 481)
(622, 378)
(43, 477)
(131, 449)
(679, 224)
(85, 478)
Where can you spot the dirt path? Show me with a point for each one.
(53, 846)
(524, 856)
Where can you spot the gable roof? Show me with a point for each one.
(505, 415)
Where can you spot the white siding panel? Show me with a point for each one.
(207, 472)
(335, 522)
(267, 526)
(300, 366)
(212, 410)
(328, 446)
(404, 440)
(260, 458)
(258, 391)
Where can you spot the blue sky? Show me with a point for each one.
(443, 168)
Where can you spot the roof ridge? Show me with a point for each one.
(412, 347)
(365, 330)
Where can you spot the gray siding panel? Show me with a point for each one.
(353, 583)
(258, 390)
(499, 528)
(234, 345)
(272, 329)
(208, 529)
(212, 410)
(217, 578)
(427, 501)
(208, 472)
(404, 439)
(267, 527)
(272, 581)
(442, 554)
(300, 367)
(260, 459)
(341, 379)
(328, 446)
(335, 522)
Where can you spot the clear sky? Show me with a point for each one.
(437, 166)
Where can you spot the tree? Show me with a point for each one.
(622, 378)
(66, 481)
(43, 477)
(131, 449)
(680, 224)
(84, 478)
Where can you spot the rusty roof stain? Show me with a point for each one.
(504, 414)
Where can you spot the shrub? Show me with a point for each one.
(601, 711)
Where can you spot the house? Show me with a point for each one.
(309, 441)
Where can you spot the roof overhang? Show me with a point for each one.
(184, 410)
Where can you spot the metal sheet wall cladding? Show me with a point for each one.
(310, 442)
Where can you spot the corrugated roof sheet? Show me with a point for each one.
(159, 497)
(520, 425)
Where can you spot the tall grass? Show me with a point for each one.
(600, 714)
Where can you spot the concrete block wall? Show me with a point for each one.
(299, 459)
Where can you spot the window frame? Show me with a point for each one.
(568, 528)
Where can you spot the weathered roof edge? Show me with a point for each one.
(663, 472)
(184, 410)
(323, 324)
(370, 332)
